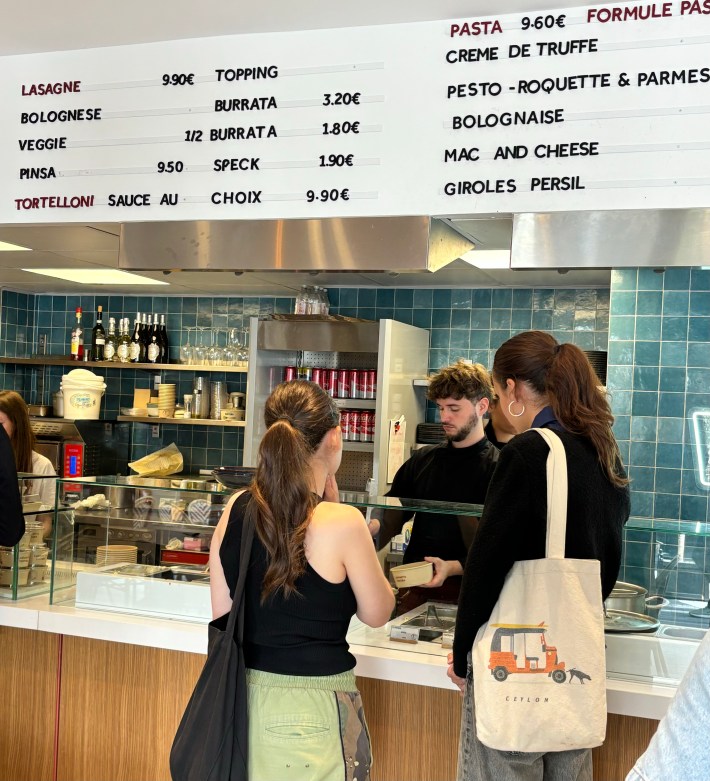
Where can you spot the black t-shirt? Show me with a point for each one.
(490, 433)
(302, 635)
(442, 473)
(12, 522)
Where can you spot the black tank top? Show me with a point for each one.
(301, 635)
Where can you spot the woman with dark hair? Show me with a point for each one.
(313, 566)
(12, 524)
(540, 384)
(15, 419)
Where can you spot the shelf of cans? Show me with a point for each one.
(358, 425)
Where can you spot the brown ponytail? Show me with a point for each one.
(562, 373)
(298, 415)
(23, 438)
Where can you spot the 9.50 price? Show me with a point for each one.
(328, 195)
(171, 167)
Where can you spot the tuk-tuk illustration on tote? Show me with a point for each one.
(523, 648)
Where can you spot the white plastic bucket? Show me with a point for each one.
(82, 402)
(82, 391)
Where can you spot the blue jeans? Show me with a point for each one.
(477, 762)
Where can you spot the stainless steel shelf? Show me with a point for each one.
(356, 403)
(182, 421)
(359, 447)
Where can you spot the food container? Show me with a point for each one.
(38, 574)
(7, 558)
(38, 555)
(82, 391)
(23, 576)
(58, 404)
(413, 574)
(631, 598)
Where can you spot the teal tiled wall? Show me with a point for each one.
(464, 323)
(658, 373)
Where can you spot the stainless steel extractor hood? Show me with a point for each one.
(611, 239)
(395, 244)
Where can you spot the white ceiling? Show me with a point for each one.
(38, 26)
(27, 27)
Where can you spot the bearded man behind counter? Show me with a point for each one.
(457, 470)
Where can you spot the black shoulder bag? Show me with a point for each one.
(211, 740)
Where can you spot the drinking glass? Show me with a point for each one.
(199, 351)
(186, 349)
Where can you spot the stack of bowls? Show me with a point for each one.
(166, 400)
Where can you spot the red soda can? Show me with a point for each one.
(305, 373)
(361, 384)
(330, 382)
(345, 423)
(371, 385)
(317, 376)
(353, 431)
(343, 384)
(352, 383)
(290, 373)
(363, 425)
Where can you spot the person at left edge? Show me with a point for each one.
(457, 470)
(15, 419)
(12, 524)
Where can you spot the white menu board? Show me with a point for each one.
(600, 107)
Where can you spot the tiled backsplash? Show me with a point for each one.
(657, 327)
(658, 373)
(464, 324)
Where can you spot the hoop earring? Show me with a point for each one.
(513, 414)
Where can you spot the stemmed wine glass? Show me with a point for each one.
(186, 349)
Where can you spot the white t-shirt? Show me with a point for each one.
(46, 489)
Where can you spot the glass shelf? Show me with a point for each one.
(696, 528)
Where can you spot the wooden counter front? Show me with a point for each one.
(28, 713)
(120, 705)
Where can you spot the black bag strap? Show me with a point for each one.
(244, 557)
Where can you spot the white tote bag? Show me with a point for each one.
(539, 672)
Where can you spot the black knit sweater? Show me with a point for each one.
(513, 526)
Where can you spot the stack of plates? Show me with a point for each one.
(598, 360)
(116, 554)
(430, 433)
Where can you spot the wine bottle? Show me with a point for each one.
(76, 350)
(124, 342)
(146, 336)
(136, 351)
(98, 336)
(164, 342)
(111, 341)
(153, 350)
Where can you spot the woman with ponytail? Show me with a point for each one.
(540, 384)
(313, 566)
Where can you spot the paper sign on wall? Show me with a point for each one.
(395, 447)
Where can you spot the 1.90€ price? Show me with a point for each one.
(328, 195)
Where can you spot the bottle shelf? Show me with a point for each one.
(56, 360)
(186, 422)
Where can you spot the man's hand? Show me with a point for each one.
(330, 493)
(460, 682)
(442, 570)
(374, 526)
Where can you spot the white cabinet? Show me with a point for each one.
(399, 353)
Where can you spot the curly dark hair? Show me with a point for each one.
(461, 380)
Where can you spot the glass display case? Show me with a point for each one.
(24, 568)
(136, 544)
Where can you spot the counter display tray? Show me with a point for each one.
(180, 592)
